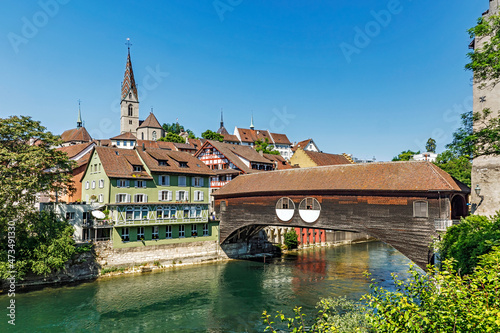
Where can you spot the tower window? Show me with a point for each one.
(129, 95)
(130, 122)
(130, 110)
(154, 135)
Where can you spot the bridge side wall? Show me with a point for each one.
(388, 218)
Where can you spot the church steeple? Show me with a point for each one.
(79, 120)
(221, 119)
(129, 121)
(251, 123)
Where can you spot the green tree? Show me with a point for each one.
(265, 147)
(467, 241)
(172, 137)
(405, 155)
(291, 239)
(28, 166)
(209, 135)
(173, 128)
(430, 146)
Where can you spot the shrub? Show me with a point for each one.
(291, 239)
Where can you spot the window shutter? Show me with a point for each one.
(201, 182)
(145, 198)
(201, 195)
(187, 195)
(116, 197)
(159, 195)
(192, 181)
(167, 179)
(127, 183)
(128, 198)
(177, 195)
(169, 196)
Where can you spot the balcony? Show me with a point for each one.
(187, 220)
(97, 224)
(443, 224)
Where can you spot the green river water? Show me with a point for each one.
(220, 297)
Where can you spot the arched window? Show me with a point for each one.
(142, 136)
(154, 135)
(130, 110)
(309, 210)
(130, 95)
(284, 209)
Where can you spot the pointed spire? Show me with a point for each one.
(251, 123)
(221, 119)
(128, 85)
(79, 120)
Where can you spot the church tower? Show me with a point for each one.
(129, 105)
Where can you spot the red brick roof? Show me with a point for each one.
(386, 177)
(322, 159)
(76, 134)
(152, 158)
(151, 122)
(125, 136)
(119, 163)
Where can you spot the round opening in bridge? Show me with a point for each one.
(309, 210)
(284, 209)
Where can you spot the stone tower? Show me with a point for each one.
(129, 105)
(486, 169)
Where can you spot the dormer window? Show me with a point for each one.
(183, 164)
(162, 163)
(137, 168)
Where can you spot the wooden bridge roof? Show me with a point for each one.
(387, 176)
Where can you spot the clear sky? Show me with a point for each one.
(370, 78)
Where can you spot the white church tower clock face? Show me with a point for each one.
(129, 105)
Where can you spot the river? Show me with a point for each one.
(221, 297)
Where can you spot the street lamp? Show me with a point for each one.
(478, 190)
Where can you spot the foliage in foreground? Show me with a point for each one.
(439, 301)
(467, 241)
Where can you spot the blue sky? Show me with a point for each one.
(370, 78)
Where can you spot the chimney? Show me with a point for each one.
(261, 152)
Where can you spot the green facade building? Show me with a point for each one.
(151, 196)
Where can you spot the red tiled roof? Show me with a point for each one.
(151, 122)
(279, 160)
(125, 136)
(231, 138)
(118, 163)
(250, 135)
(280, 139)
(301, 144)
(76, 134)
(322, 159)
(74, 150)
(129, 81)
(151, 158)
(387, 177)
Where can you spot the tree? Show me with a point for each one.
(173, 128)
(458, 167)
(209, 135)
(430, 146)
(291, 239)
(172, 137)
(265, 147)
(467, 241)
(405, 155)
(28, 167)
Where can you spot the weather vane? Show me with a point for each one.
(128, 43)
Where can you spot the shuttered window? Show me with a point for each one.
(420, 209)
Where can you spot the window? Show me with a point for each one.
(129, 215)
(91, 168)
(164, 195)
(118, 143)
(182, 180)
(101, 183)
(223, 205)
(140, 233)
(183, 164)
(163, 163)
(122, 183)
(197, 181)
(131, 143)
(101, 197)
(309, 210)
(125, 235)
(87, 185)
(182, 232)
(155, 233)
(198, 195)
(164, 180)
(140, 198)
(130, 122)
(93, 184)
(181, 195)
(168, 233)
(173, 212)
(154, 135)
(420, 209)
(140, 183)
(194, 230)
(137, 168)
(130, 110)
(70, 216)
(205, 229)
(122, 198)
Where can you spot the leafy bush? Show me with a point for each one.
(467, 241)
(291, 239)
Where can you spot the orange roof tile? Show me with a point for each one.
(125, 136)
(152, 158)
(76, 134)
(151, 122)
(119, 163)
(322, 159)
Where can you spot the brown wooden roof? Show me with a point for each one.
(386, 177)
(280, 139)
(322, 159)
(279, 160)
(119, 163)
(152, 158)
(76, 134)
(151, 122)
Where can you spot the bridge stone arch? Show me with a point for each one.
(397, 203)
